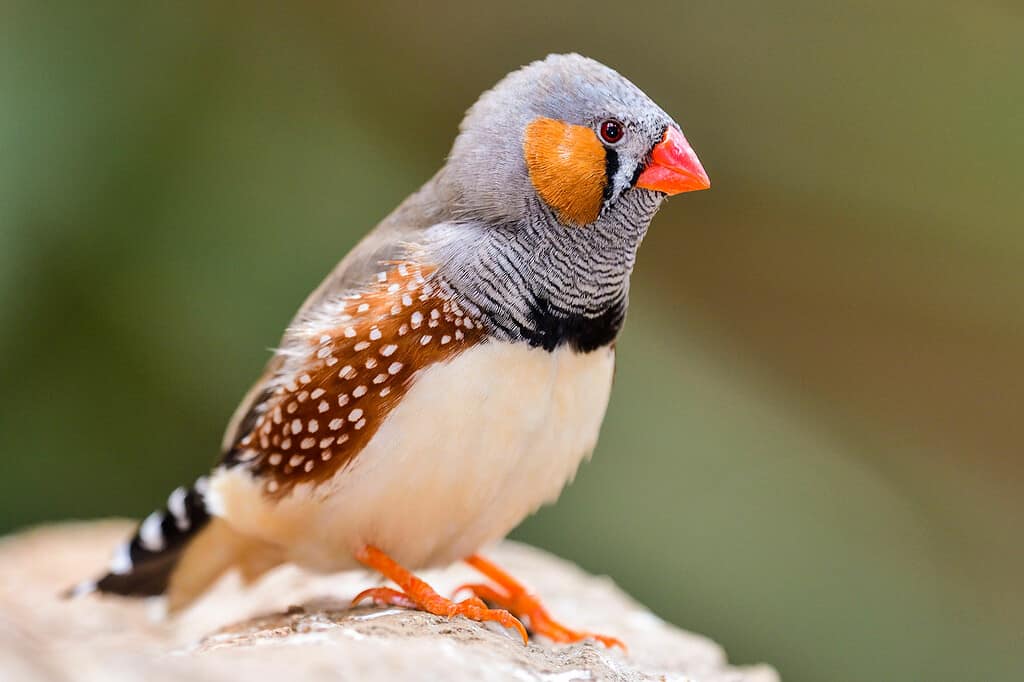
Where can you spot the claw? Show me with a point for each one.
(514, 597)
(419, 595)
(385, 596)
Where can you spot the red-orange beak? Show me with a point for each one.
(674, 167)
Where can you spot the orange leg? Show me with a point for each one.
(518, 600)
(417, 594)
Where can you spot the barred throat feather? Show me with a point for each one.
(348, 366)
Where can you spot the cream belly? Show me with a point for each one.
(476, 445)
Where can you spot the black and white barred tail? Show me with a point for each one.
(142, 565)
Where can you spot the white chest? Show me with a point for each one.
(476, 445)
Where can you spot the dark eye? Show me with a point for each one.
(611, 131)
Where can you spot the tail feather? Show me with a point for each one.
(143, 564)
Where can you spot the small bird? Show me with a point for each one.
(451, 373)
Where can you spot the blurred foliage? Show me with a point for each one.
(813, 451)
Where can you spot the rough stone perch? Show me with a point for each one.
(308, 632)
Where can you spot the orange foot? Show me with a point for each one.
(518, 600)
(417, 594)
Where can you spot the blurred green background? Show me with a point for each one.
(813, 453)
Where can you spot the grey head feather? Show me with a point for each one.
(486, 177)
(485, 183)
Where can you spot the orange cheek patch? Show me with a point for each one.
(567, 168)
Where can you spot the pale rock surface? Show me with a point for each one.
(294, 626)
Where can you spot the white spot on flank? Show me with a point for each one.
(296, 460)
(323, 352)
(434, 314)
(359, 391)
(277, 415)
(317, 393)
(417, 319)
(326, 442)
(286, 444)
(382, 276)
(360, 424)
(387, 350)
(402, 270)
(445, 339)
(403, 330)
(355, 414)
(323, 406)
(342, 438)
(292, 406)
(406, 300)
(272, 486)
(302, 396)
(374, 334)
(350, 332)
(332, 361)
(459, 335)
(309, 466)
(394, 368)
(325, 338)
(150, 535)
(396, 309)
(384, 391)
(335, 424)
(296, 426)
(380, 378)
(362, 345)
(305, 379)
(343, 400)
(326, 455)
(274, 459)
(371, 363)
(363, 307)
(425, 339)
(312, 426)
(307, 443)
(393, 288)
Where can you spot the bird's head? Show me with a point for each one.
(570, 137)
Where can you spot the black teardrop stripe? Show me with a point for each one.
(611, 167)
(151, 570)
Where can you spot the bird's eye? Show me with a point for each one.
(611, 131)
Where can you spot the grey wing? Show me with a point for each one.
(386, 242)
